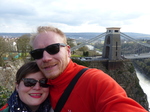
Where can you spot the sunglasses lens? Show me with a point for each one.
(53, 49)
(43, 83)
(37, 54)
(29, 82)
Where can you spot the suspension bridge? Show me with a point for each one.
(118, 45)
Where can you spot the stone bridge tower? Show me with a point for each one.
(112, 45)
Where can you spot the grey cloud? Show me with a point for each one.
(44, 12)
(7, 9)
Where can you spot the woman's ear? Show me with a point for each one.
(17, 87)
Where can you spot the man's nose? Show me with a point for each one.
(46, 56)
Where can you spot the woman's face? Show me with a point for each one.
(32, 96)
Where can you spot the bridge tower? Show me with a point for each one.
(112, 45)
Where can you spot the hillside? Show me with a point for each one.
(85, 35)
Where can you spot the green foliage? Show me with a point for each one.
(70, 42)
(4, 95)
(143, 65)
(84, 63)
(131, 69)
(76, 56)
(84, 48)
(23, 45)
(85, 53)
(4, 48)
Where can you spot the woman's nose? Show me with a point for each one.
(37, 86)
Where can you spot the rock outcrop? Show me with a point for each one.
(124, 73)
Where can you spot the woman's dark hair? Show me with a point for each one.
(27, 68)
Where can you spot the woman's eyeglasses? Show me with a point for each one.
(51, 49)
(29, 82)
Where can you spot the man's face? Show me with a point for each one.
(52, 65)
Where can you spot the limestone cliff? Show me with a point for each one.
(124, 73)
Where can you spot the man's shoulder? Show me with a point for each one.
(94, 71)
(96, 75)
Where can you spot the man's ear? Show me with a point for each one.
(69, 50)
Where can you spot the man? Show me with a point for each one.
(95, 91)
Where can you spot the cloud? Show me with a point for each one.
(15, 8)
(72, 16)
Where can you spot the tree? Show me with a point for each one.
(84, 48)
(71, 42)
(4, 95)
(85, 53)
(23, 46)
(4, 49)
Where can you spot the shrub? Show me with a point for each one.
(4, 95)
(84, 63)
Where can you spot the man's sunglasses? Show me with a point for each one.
(51, 49)
(29, 82)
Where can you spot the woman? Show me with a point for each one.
(31, 91)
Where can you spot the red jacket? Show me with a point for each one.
(94, 92)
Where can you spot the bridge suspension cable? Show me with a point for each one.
(88, 41)
(147, 46)
(128, 37)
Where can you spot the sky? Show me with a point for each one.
(24, 16)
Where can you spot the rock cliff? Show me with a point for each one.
(124, 73)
